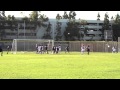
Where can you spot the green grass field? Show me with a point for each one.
(60, 66)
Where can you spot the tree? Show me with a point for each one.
(58, 17)
(11, 21)
(48, 31)
(112, 18)
(3, 13)
(72, 15)
(117, 19)
(43, 18)
(72, 30)
(2, 30)
(82, 24)
(98, 16)
(116, 27)
(38, 18)
(26, 19)
(116, 31)
(34, 16)
(65, 16)
(9, 18)
(106, 22)
(58, 28)
(2, 24)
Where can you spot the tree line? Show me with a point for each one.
(72, 30)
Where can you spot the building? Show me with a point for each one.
(29, 31)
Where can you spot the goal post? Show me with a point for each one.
(29, 45)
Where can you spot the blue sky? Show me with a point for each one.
(87, 15)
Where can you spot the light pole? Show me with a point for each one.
(111, 27)
(24, 29)
(68, 36)
(24, 23)
(106, 36)
(18, 30)
(106, 45)
(53, 30)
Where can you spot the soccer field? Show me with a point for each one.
(72, 65)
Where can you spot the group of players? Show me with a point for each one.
(40, 49)
(83, 48)
(56, 49)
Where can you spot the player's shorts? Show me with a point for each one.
(82, 50)
(59, 49)
(114, 50)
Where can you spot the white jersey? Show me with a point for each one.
(82, 48)
(42, 48)
(113, 49)
(39, 48)
(59, 48)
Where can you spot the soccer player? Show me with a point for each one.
(8, 49)
(42, 49)
(46, 49)
(39, 48)
(88, 49)
(113, 49)
(1, 50)
(36, 48)
(67, 49)
(59, 48)
(53, 49)
(82, 49)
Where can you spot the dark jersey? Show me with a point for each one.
(46, 47)
(88, 48)
(53, 48)
(67, 48)
(1, 49)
